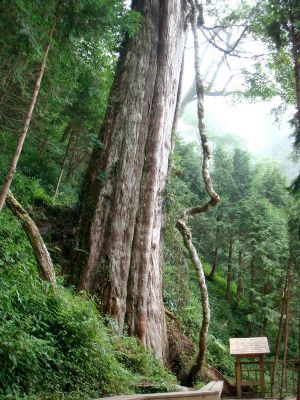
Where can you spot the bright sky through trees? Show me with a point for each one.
(253, 123)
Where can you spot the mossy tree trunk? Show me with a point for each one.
(121, 211)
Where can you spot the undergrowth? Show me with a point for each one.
(226, 321)
(53, 343)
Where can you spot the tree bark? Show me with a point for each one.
(121, 211)
(39, 248)
(229, 270)
(13, 166)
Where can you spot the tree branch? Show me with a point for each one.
(214, 200)
(39, 248)
(225, 51)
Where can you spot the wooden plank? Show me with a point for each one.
(249, 346)
(211, 391)
(213, 386)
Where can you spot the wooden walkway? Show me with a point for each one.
(211, 391)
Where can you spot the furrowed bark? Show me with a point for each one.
(213, 201)
(39, 248)
(13, 166)
(121, 217)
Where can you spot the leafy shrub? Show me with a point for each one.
(53, 344)
(53, 341)
(147, 367)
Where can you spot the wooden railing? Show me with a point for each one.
(286, 378)
(285, 382)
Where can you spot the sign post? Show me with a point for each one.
(254, 347)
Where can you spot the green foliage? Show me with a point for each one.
(53, 344)
(277, 25)
(73, 97)
(144, 365)
(253, 212)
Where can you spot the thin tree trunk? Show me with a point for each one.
(13, 166)
(214, 200)
(251, 278)
(286, 335)
(279, 334)
(229, 269)
(216, 252)
(72, 158)
(42, 147)
(298, 385)
(63, 165)
(295, 53)
(121, 212)
(240, 287)
(214, 264)
(250, 292)
(39, 248)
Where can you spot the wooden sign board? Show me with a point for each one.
(249, 346)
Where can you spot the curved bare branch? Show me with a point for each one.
(213, 201)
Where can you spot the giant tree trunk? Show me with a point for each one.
(121, 211)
